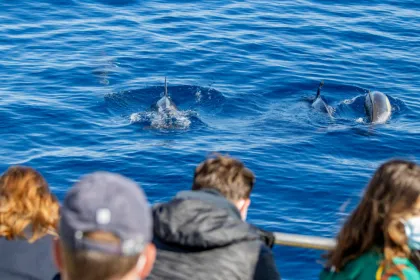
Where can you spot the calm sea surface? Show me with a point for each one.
(77, 79)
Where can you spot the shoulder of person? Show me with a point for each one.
(266, 267)
(363, 267)
(267, 237)
(409, 271)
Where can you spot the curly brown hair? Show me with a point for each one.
(225, 174)
(25, 200)
(390, 196)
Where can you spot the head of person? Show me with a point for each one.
(27, 207)
(228, 176)
(105, 230)
(385, 217)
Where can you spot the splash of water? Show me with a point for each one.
(198, 95)
(166, 120)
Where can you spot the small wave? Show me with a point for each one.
(135, 105)
(126, 102)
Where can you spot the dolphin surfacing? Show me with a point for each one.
(319, 103)
(377, 106)
(165, 105)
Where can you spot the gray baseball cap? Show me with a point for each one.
(106, 202)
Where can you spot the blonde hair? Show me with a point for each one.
(225, 174)
(25, 200)
(93, 265)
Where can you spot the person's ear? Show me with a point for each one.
(57, 254)
(243, 206)
(396, 232)
(149, 256)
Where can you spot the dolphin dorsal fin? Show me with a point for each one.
(166, 88)
(318, 92)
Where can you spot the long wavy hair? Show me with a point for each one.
(390, 197)
(26, 201)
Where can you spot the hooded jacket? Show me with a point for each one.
(200, 235)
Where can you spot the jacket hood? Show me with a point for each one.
(200, 220)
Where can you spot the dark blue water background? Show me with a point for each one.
(78, 79)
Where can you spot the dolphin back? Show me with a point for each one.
(319, 103)
(165, 104)
(378, 107)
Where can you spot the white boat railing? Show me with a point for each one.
(304, 241)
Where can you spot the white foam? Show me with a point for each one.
(164, 120)
(198, 95)
(135, 117)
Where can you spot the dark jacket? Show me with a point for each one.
(200, 235)
(21, 260)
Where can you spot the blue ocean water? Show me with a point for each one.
(78, 79)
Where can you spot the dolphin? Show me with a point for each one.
(377, 106)
(319, 103)
(165, 105)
